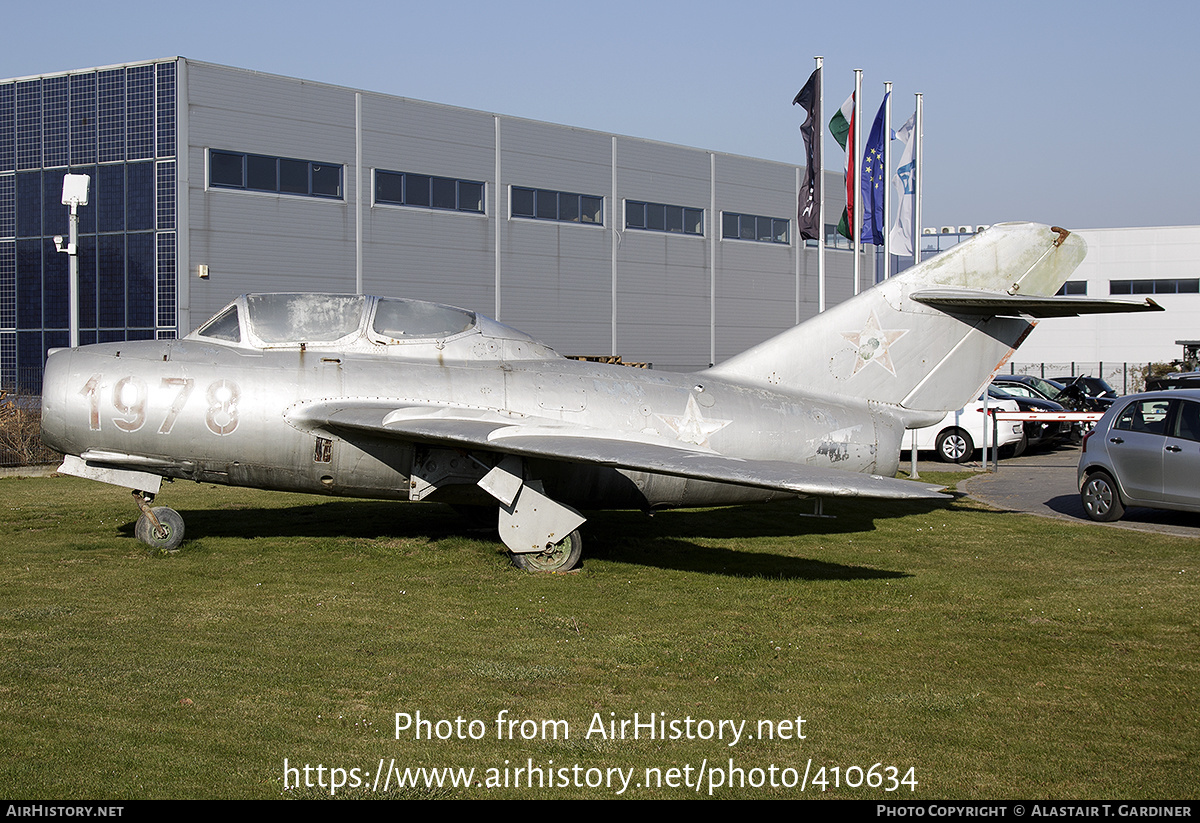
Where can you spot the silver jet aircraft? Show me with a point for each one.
(377, 397)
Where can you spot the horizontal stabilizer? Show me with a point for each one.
(554, 440)
(985, 303)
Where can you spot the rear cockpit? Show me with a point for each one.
(412, 329)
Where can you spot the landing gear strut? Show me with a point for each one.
(159, 528)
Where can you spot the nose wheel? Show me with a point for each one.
(159, 527)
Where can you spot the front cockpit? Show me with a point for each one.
(412, 329)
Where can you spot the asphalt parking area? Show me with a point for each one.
(1043, 483)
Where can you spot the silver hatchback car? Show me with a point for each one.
(1145, 451)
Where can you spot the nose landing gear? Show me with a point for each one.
(159, 528)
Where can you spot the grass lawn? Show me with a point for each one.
(977, 654)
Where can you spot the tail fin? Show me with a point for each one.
(888, 346)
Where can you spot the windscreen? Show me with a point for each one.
(304, 318)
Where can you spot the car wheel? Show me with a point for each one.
(954, 446)
(1100, 498)
(1015, 449)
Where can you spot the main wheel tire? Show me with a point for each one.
(1100, 498)
(168, 537)
(561, 557)
(955, 446)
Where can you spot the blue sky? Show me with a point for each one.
(1065, 113)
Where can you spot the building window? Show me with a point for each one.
(1073, 288)
(398, 188)
(566, 207)
(284, 175)
(661, 217)
(755, 227)
(1184, 286)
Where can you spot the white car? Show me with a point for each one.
(959, 434)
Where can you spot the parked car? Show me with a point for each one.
(1037, 432)
(1145, 451)
(1072, 397)
(1095, 389)
(1176, 380)
(959, 434)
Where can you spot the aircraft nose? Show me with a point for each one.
(54, 400)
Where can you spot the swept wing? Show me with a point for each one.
(554, 440)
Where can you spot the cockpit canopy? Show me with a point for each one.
(348, 322)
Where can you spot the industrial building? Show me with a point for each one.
(210, 181)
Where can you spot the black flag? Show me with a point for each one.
(808, 217)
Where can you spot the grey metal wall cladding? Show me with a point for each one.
(542, 155)
(410, 136)
(444, 257)
(752, 186)
(653, 171)
(251, 112)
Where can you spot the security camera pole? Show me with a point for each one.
(74, 194)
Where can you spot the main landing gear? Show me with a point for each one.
(159, 527)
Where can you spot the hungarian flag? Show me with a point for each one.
(808, 216)
(842, 129)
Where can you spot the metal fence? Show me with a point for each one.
(1125, 378)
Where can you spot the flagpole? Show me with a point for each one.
(856, 227)
(818, 140)
(918, 189)
(887, 178)
(916, 229)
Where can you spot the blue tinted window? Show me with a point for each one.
(166, 109)
(29, 204)
(109, 196)
(755, 227)
(140, 280)
(55, 285)
(56, 218)
(87, 214)
(55, 117)
(565, 207)
(111, 280)
(29, 124)
(139, 110)
(8, 205)
(662, 217)
(112, 115)
(29, 284)
(8, 285)
(258, 172)
(83, 119)
(166, 195)
(30, 354)
(166, 279)
(227, 169)
(87, 282)
(8, 134)
(406, 189)
(139, 196)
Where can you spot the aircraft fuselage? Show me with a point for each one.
(223, 414)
